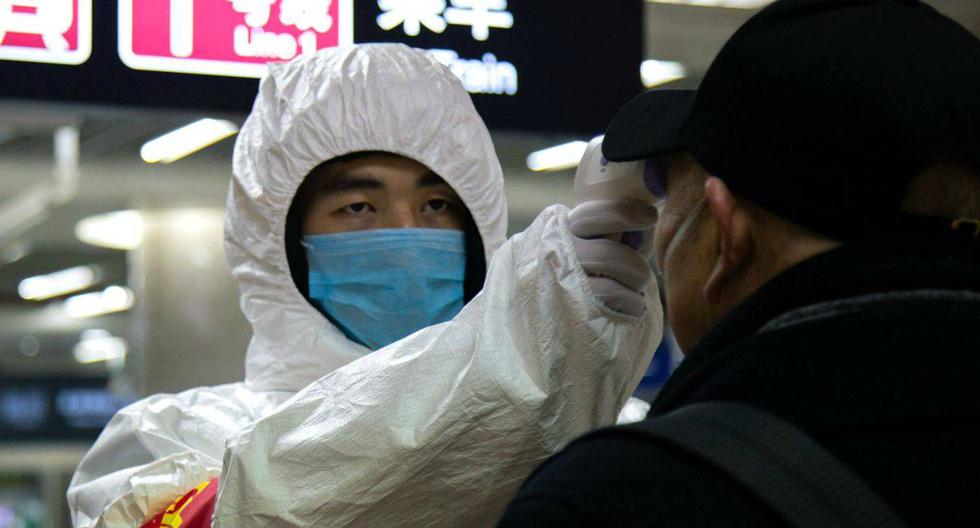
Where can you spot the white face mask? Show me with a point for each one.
(691, 217)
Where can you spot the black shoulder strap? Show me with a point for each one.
(777, 462)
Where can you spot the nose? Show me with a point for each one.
(402, 218)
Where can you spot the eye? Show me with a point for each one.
(438, 205)
(357, 208)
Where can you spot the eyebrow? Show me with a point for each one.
(349, 182)
(430, 179)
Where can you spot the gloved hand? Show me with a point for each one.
(613, 239)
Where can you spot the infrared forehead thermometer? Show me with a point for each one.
(600, 179)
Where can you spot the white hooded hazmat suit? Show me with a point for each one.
(437, 429)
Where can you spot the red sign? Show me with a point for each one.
(227, 37)
(56, 31)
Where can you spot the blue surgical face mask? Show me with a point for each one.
(381, 285)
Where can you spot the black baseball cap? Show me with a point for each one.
(822, 111)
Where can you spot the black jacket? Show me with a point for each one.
(872, 349)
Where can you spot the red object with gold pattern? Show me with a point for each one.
(193, 510)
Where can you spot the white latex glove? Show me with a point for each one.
(617, 272)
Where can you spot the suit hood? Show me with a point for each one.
(377, 97)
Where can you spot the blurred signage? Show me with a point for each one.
(51, 31)
(227, 37)
(665, 360)
(55, 408)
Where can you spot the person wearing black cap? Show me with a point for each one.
(820, 242)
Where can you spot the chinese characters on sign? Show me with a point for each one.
(227, 37)
(239, 37)
(480, 15)
(54, 31)
(486, 75)
(412, 15)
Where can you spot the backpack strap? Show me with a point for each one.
(777, 462)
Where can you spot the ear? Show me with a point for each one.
(734, 236)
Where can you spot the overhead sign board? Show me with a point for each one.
(563, 66)
(227, 37)
(49, 31)
(530, 65)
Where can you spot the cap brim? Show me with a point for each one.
(650, 124)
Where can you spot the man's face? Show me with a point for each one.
(378, 191)
(684, 251)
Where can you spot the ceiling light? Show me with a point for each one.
(99, 345)
(116, 230)
(186, 140)
(565, 156)
(731, 4)
(56, 284)
(110, 300)
(656, 72)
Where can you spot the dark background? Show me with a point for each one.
(577, 62)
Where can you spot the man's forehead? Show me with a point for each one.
(365, 176)
(361, 161)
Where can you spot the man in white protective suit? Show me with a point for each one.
(341, 421)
